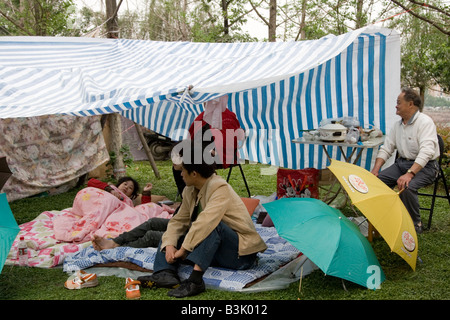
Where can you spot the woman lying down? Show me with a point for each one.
(148, 234)
(107, 211)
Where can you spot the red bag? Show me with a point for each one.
(303, 183)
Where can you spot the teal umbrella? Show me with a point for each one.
(327, 238)
(8, 229)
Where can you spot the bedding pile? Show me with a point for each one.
(54, 234)
(44, 251)
(98, 212)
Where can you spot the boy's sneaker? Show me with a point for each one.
(132, 291)
(81, 279)
(161, 279)
(187, 288)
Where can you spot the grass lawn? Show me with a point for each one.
(430, 281)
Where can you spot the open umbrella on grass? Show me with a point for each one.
(382, 206)
(8, 225)
(327, 238)
(8, 229)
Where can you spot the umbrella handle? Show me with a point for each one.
(398, 193)
(365, 219)
(343, 285)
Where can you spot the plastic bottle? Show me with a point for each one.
(22, 252)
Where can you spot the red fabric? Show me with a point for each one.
(229, 121)
(97, 184)
(146, 199)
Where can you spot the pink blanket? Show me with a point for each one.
(44, 251)
(96, 211)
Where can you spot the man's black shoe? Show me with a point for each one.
(419, 228)
(186, 289)
(160, 279)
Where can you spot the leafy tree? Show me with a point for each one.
(435, 13)
(182, 20)
(35, 17)
(225, 20)
(424, 48)
(439, 65)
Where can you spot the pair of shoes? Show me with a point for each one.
(161, 279)
(187, 288)
(81, 279)
(419, 228)
(132, 291)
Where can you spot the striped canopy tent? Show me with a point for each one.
(276, 89)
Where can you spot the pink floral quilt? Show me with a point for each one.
(54, 234)
(96, 211)
(44, 251)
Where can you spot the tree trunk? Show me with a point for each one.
(184, 28)
(226, 27)
(21, 10)
(112, 27)
(115, 123)
(115, 127)
(422, 90)
(303, 22)
(273, 21)
(359, 14)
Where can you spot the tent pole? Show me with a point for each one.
(147, 150)
(115, 129)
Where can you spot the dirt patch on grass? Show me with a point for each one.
(440, 115)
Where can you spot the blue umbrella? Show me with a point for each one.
(8, 229)
(327, 238)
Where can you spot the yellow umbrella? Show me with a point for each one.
(381, 206)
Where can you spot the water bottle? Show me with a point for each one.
(22, 252)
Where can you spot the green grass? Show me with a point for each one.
(430, 281)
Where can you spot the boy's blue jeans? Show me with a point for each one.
(220, 249)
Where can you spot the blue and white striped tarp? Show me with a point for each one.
(276, 89)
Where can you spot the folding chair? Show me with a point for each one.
(243, 176)
(228, 177)
(439, 177)
(237, 164)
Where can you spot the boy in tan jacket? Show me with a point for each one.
(211, 228)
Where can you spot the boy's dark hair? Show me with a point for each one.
(196, 156)
(412, 95)
(135, 183)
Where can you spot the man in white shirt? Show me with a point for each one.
(415, 139)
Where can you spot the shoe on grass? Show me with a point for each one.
(161, 279)
(80, 280)
(419, 228)
(187, 288)
(132, 291)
